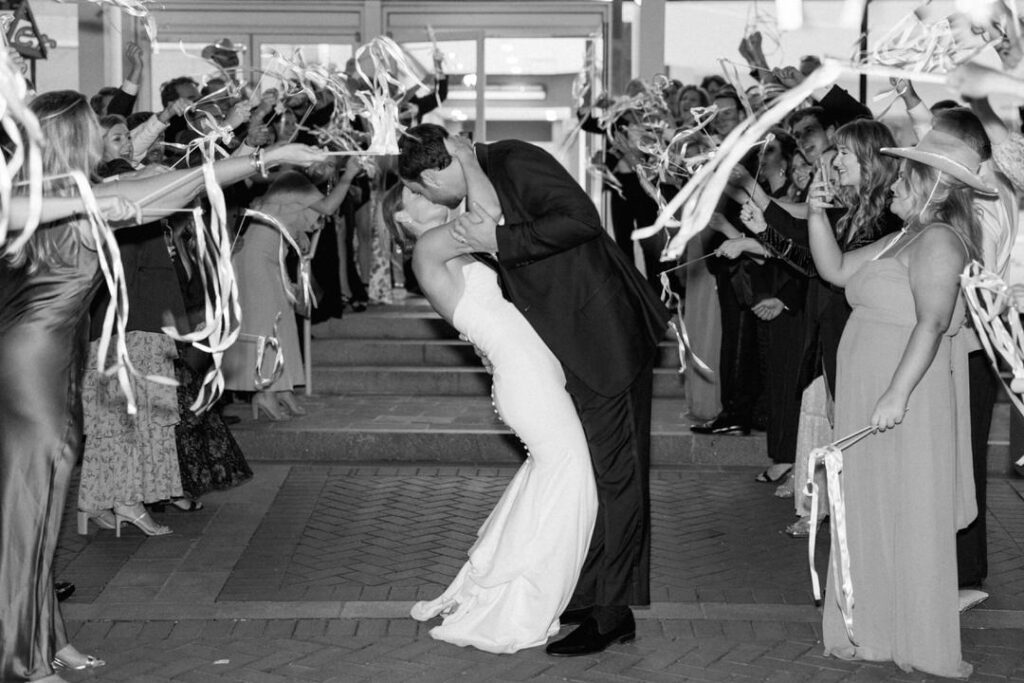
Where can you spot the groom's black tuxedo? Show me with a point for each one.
(602, 320)
(565, 274)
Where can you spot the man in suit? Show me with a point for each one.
(603, 322)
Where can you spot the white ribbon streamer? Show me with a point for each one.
(831, 457)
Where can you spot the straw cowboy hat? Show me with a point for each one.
(948, 154)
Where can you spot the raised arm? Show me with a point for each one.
(833, 264)
(934, 267)
(329, 204)
(479, 188)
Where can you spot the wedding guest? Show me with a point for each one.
(902, 369)
(267, 311)
(862, 178)
(778, 293)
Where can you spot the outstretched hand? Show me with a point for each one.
(476, 230)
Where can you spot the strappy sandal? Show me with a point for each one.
(87, 661)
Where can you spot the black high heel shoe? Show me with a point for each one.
(182, 504)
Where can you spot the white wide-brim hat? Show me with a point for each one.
(948, 154)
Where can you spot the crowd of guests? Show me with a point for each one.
(59, 405)
(829, 301)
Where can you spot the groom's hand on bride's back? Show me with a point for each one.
(483, 356)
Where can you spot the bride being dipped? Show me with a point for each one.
(529, 552)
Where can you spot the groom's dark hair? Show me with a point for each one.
(422, 147)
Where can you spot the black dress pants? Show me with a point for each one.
(739, 360)
(616, 571)
(782, 341)
(971, 542)
(636, 209)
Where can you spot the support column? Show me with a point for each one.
(91, 51)
(652, 39)
(373, 20)
(620, 53)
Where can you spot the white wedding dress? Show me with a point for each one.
(529, 552)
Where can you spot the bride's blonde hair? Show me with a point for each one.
(389, 206)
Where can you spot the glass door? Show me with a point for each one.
(330, 51)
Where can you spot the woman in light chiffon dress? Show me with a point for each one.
(529, 552)
(902, 367)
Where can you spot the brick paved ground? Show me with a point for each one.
(307, 573)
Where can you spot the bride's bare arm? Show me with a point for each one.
(430, 257)
(478, 186)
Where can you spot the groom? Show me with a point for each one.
(601, 320)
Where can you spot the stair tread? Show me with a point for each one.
(385, 412)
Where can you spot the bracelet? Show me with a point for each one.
(256, 159)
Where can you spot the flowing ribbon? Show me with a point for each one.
(831, 457)
(24, 143)
(222, 312)
(392, 66)
(305, 286)
(115, 321)
(262, 344)
(683, 346)
(997, 323)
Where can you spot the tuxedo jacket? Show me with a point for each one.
(560, 268)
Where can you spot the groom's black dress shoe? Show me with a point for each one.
(588, 639)
(723, 424)
(574, 616)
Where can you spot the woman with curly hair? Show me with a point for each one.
(860, 179)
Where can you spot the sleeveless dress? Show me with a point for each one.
(44, 337)
(529, 552)
(261, 291)
(907, 490)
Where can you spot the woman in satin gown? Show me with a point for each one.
(44, 299)
(902, 369)
(529, 552)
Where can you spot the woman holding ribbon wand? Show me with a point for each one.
(902, 369)
(44, 294)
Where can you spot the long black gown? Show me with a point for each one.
(43, 346)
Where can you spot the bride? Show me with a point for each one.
(529, 552)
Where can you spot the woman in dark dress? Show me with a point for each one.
(44, 297)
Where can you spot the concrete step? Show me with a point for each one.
(390, 322)
(447, 429)
(407, 321)
(422, 380)
(430, 352)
